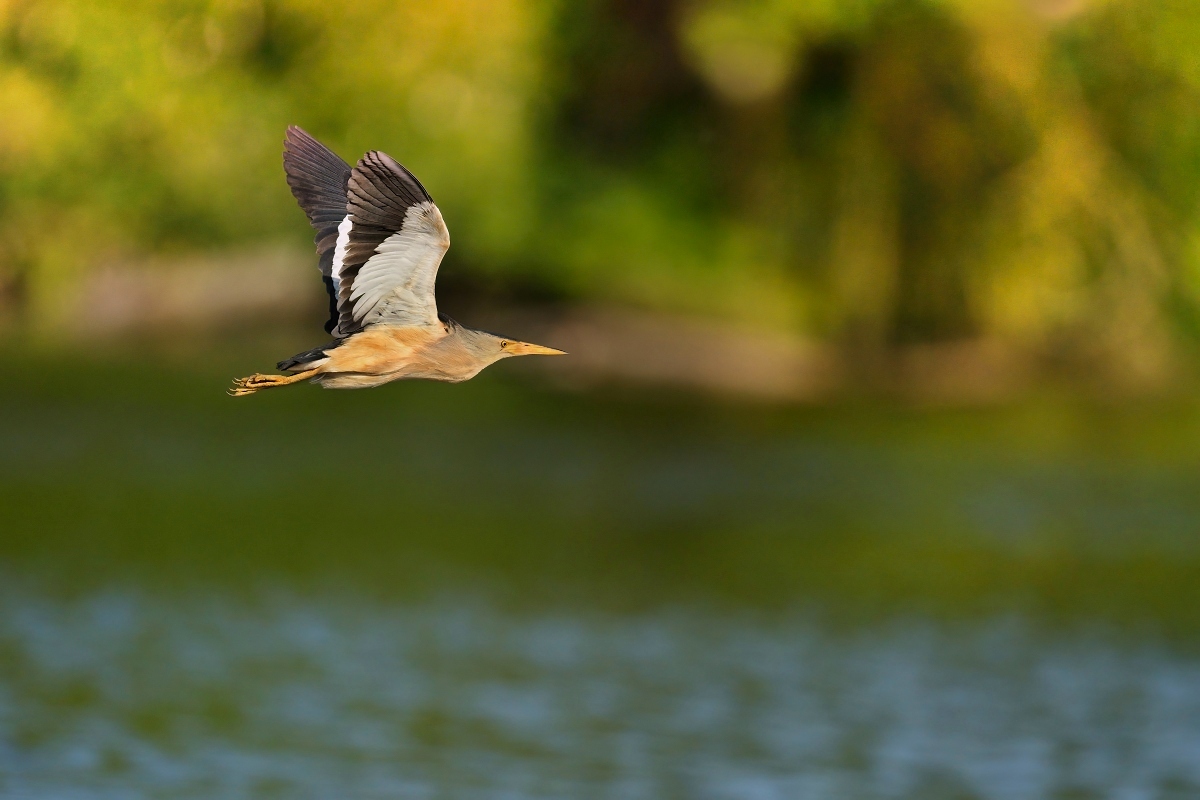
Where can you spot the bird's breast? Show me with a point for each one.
(382, 350)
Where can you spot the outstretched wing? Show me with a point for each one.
(318, 180)
(396, 242)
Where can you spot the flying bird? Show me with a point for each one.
(380, 240)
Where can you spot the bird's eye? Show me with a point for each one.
(503, 345)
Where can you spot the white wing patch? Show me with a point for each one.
(339, 250)
(396, 284)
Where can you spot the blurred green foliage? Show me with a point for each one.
(871, 172)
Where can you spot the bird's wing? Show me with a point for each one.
(396, 242)
(318, 179)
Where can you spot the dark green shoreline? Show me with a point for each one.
(1059, 508)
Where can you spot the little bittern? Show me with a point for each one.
(380, 240)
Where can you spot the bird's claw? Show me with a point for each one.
(243, 386)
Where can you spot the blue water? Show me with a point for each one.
(121, 694)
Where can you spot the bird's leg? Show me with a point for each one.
(250, 385)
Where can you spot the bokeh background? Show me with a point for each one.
(873, 471)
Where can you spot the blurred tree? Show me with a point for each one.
(890, 172)
(157, 126)
(872, 172)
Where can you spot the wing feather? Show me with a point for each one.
(396, 242)
(318, 179)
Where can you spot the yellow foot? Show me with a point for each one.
(256, 381)
(250, 385)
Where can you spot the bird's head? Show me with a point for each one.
(494, 347)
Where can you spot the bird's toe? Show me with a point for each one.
(241, 386)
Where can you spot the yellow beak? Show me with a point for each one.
(527, 349)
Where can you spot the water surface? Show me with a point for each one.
(124, 694)
(500, 590)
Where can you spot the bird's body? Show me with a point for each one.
(380, 239)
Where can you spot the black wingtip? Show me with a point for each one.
(383, 167)
(317, 177)
(296, 132)
(294, 136)
(300, 144)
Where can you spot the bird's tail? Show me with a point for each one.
(306, 359)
